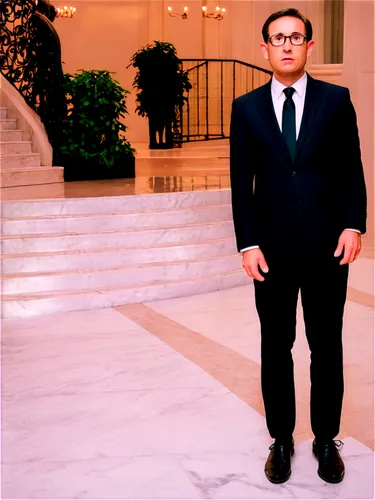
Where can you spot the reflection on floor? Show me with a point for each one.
(162, 400)
(195, 167)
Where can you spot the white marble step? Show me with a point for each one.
(15, 147)
(3, 113)
(22, 244)
(8, 124)
(37, 304)
(31, 176)
(114, 204)
(83, 260)
(108, 222)
(126, 276)
(10, 135)
(73, 254)
(19, 161)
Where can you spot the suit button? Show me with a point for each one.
(294, 174)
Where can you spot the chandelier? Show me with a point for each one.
(184, 14)
(218, 13)
(65, 12)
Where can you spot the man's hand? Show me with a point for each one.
(251, 259)
(350, 242)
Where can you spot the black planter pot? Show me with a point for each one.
(82, 170)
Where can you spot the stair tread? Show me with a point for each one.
(34, 169)
(115, 268)
(43, 201)
(86, 199)
(14, 142)
(102, 290)
(110, 231)
(111, 214)
(18, 155)
(111, 249)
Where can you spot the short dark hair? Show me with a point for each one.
(287, 13)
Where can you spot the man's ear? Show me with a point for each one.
(310, 47)
(264, 49)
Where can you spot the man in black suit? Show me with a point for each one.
(299, 208)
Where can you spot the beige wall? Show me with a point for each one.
(105, 33)
(246, 20)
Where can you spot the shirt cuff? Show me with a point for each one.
(249, 248)
(351, 229)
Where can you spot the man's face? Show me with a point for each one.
(287, 60)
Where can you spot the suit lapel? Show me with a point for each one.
(271, 129)
(311, 107)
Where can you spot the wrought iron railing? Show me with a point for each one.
(30, 60)
(216, 82)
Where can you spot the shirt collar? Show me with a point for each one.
(299, 86)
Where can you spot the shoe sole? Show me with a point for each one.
(273, 481)
(330, 481)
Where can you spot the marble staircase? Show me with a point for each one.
(19, 165)
(89, 253)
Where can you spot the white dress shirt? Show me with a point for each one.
(278, 98)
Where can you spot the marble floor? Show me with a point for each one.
(162, 401)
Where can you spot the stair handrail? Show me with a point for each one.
(196, 121)
(244, 63)
(31, 61)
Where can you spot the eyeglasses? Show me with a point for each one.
(279, 39)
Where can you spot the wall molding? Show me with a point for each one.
(332, 73)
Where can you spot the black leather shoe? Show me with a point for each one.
(331, 467)
(278, 466)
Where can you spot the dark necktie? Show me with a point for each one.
(289, 121)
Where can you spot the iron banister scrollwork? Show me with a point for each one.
(14, 30)
(30, 60)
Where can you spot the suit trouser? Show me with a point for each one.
(323, 292)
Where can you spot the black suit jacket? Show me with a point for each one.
(319, 194)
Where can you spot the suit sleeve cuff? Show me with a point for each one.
(248, 248)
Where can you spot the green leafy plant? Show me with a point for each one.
(162, 85)
(93, 131)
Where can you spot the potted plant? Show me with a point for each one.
(94, 146)
(161, 84)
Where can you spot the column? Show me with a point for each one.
(358, 75)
